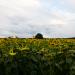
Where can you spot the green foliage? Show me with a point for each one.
(39, 36)
(37, 56)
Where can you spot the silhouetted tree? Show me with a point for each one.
(39, 36)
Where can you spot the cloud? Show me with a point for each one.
(25, 18)
(14, 13)
(71, 2)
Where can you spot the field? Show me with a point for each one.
(37, 56)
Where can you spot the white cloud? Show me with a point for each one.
(15, 12)
(32, 16)
(71, 2)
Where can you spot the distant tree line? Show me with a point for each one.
(37, 36)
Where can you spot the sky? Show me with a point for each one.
(26, 18)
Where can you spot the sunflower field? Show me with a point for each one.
(21, 56)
